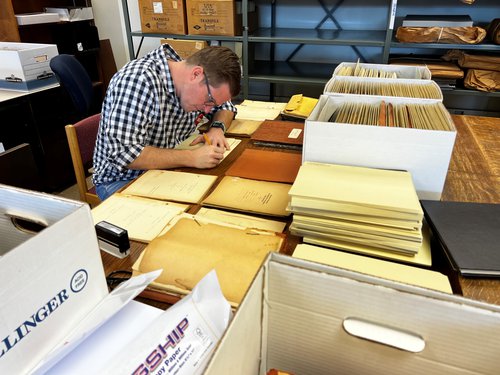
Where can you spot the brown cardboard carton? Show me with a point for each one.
(185, 48)
(162, 16)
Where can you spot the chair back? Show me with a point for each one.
(18, 168)
(75, 80)
(81, 140)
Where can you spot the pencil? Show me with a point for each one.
(207, 140)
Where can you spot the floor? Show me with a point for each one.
(72, 191)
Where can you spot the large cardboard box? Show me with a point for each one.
(425, 154)
(184, 47)
(50, 279)
(217, 17)
(25, 66)
(163, 16)
(307, 318)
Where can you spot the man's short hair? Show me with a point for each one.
(221, 66)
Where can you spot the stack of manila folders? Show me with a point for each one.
(363, 210)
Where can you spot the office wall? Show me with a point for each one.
(109, 19)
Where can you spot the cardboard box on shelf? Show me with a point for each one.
(307, 318)
(25, 66)
(163, 17)
(184, 47)
(424, 153)
(216, 17)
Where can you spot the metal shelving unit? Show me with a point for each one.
(276, 70)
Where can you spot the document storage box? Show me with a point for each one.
(306, 318)
(402, 71)
(72, 14)
(163, 16)
(410, 87)
(425, 154)
(50, 280)
(25, 66)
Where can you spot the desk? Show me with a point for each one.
(473, 176)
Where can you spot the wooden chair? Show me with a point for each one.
(81, 139)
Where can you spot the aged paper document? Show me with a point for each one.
(143, 218)
(190, 249)
(259, 110)
(245, 221)
(376, 267)
(242, 127)
(269, 198)
(171, 185)
(185, 145)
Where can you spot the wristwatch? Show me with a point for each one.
(218, 124)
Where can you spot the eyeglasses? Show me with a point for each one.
(211, 101)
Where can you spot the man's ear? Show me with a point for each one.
(196, 73)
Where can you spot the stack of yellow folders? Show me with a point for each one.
(356, 209)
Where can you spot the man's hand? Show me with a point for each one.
(208, 156)
(216, 137)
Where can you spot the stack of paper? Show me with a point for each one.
(356, 209)
(259, 110)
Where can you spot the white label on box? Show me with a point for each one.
(41, 58)
(2, 149)
(157, 7)
(295, 133)
(174, 4)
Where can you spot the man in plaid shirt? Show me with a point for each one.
(152, 105)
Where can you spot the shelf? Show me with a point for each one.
(190, 37)
(471, 93)
(475, 47)
(319, 36)
(291, 72)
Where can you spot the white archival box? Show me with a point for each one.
(425, 154)
(53, 287)
(410, 83)
(25, 66)
(402, 71)
(297, 314)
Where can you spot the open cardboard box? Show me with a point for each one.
(308, 318)
(425, 154)
(54, 292)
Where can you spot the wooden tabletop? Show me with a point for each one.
(473, 176)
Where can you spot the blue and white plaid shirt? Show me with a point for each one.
(140, 109)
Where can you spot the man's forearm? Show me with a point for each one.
(160, 158)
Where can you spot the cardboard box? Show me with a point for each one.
(307, 318)
(163, 16)
(185, 48)
(54, 293)
(425, 154)
(25, 66)
(411, 84)
(402, 71)
(50, 280)
(216, 17)
(35, 18)
(72, 14)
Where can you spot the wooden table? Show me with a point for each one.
(473, 176)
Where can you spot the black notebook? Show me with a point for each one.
(469, 234)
